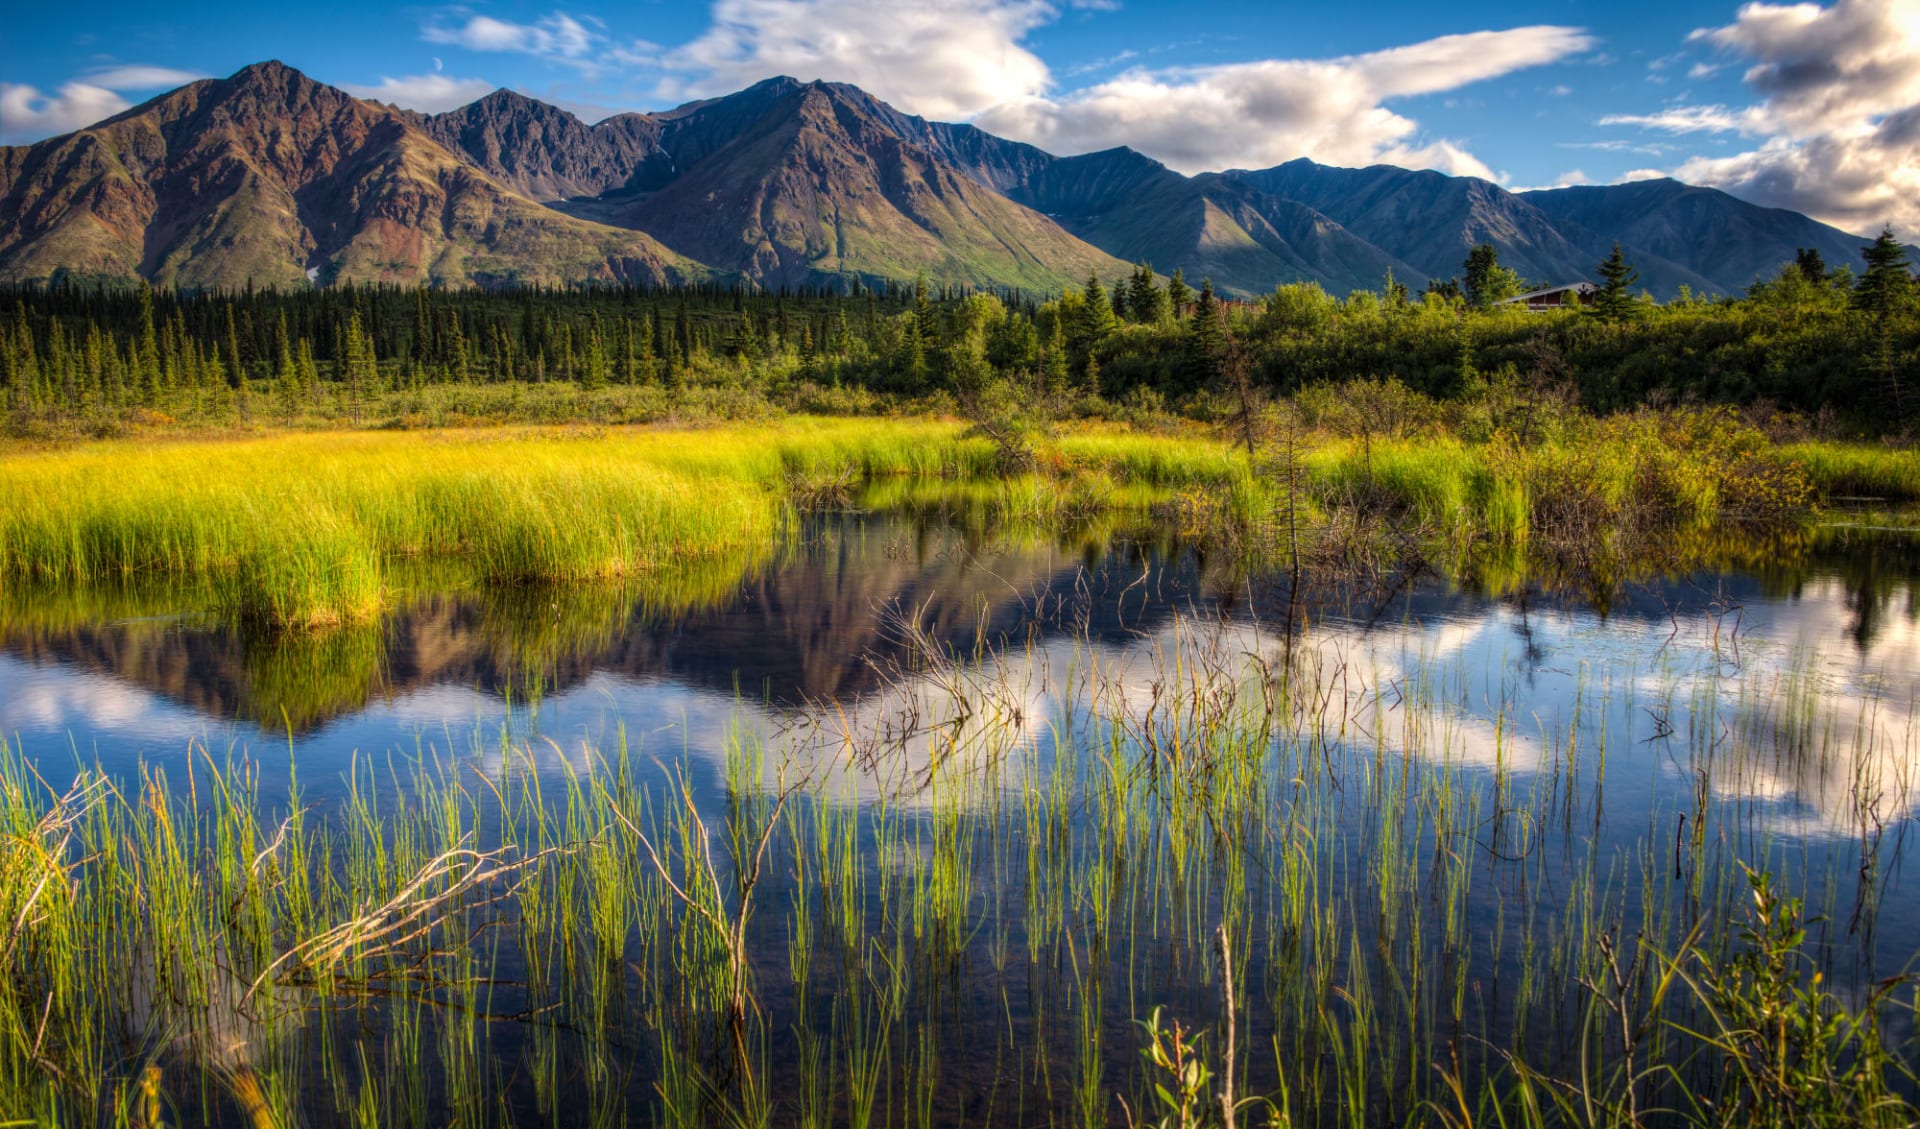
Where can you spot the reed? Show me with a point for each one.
(1255, 881)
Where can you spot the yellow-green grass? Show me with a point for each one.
(311, 529)
(1860, 471)
(301, 530)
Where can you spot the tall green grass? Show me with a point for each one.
(305, 530)
(1860, 471)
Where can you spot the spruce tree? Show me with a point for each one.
(423, 350)
(1206, 338)
(358, 366)
(1616, 303)
(1485, 281)
(287, 391)
(149, 373)
(629, 367)
(593, 365)
(1146, 302)
(1811, 266)
(646, 370)
(1886, 289)
(1887, 283)
(1179, 295)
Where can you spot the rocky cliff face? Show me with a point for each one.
(541, 151)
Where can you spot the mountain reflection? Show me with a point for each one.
(819, 622)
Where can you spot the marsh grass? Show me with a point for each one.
(1331, 897)
(314, 530)
(1859, 471)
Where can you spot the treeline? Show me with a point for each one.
(1811, 340)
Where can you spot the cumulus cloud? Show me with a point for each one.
(557, 38)
(931, 59)
(928, 57)
(1838, 121)
(27, 113)
(428, 93)
(1265, 112)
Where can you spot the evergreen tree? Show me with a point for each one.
(288, 393)
(237, 372)
(1093, 322)
(1887, 284)
(1179, 295)
(593, 365)
(1811, 266)
(1146, 302)
(629, 368)
(1616, 302)
(1885, 290)
(924, 323)
(148, 374)
(646, 368)
(1053, 362)
(1484, 280)
(423, 351)
(358, 366)
(1206, 338)
(455, 347)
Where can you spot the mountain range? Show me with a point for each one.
(269, 177)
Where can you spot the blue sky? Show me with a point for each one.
(1810, 106)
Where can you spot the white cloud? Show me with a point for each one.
(925, 56)
(1261, 113)
(1569, 179)
(557, 38)
(428, 93)
(1838, 117)
(929, 58)
(1692, 119)
(28, 114)
(967, 60)
(141, 76)
(1618, 145)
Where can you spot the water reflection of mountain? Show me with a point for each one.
(812, 626)
(821, 622)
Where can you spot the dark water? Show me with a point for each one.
(1807, 664)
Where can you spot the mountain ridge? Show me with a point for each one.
(272, 177)
(267, 176)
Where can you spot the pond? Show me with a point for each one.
(917, 825)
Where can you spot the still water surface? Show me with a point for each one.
(1768, 693)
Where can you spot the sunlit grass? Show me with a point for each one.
(305, 530)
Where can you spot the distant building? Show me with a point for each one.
(1555, 297)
